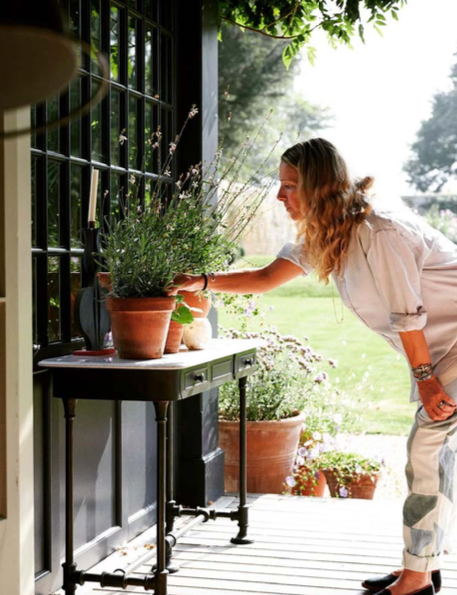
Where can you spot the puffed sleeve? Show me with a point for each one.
(294, 253)
(396, 269)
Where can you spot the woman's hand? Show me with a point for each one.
(432, 394)
(184, 282)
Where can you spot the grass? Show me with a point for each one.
(304, 307)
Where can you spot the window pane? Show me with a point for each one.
(166, 14)
(168, 137)
(52, 114)
(116, 198)
(75, 193)
(97, 148)
(95, 30)
(151, 71)
(53, 203)
(75, 17)
(118, 136)
(76, 125)
(114, 43)
(75, 284)
(133, 136)
(54, 331)
(132, 52)
(151, 152)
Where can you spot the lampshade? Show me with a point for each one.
(37, 55)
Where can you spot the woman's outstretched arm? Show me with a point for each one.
(244, 281)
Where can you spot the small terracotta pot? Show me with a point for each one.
(174, 337)
(361, 485)
(140, 325)
(308, 486)
(271, 451)
(196, 300)
(105, 280)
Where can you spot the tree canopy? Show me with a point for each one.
(294, 21)
(434, 154)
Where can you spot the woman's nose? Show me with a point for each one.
(280, 196)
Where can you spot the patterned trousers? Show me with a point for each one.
(430, 473)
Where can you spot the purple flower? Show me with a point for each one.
(302, 451)
(358, 469)
(343, 492)
(291, 481)
(317, 475)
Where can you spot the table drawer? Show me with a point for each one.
(245, 364)
(222, 371)
(196, 381)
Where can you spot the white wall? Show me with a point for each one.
(16, 394)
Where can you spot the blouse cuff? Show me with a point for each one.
(408, 322)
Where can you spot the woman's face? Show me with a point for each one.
(288, 192)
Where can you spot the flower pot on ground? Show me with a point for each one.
(350, 475)
(271, 448)
(308, 482)
(140, 325)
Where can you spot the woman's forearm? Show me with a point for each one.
(416, 348)
(242, 282)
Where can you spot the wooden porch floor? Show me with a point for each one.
(303, 546)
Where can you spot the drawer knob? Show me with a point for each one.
(248, 362)
(199, 377)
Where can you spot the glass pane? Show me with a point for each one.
(133, 4)
(151, 71)
(151, 151)
(75, 17)
(34, 200)
(96, 124)
(165, 14)
(54, 331)
(53, 203)
(75, 284)
(116, 198)
(147, 8)
(114, 43)
(132, 41)
(118, 136)
(167, 138)
(95, 33)
(75, 214)
(75, 103)
(132, 135)
(52, 114)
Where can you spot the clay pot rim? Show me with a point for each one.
(266, 422)
(140, 304)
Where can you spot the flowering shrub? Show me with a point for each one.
(289, 380)
(444, 220)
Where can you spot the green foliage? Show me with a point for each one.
(295, 21)
(287, 380)
(434, 153)
(251, 67)
(444, 220)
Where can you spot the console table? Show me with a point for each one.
(171, 378)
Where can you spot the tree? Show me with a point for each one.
(251, 67)
(294, 21)
(434, 160)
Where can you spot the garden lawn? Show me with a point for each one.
(368, 368)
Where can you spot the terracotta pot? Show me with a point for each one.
(140, 325)
(174, 337)
(271, 450)
(308, 486)
(361, 485)
(196, 300)
(104, 279)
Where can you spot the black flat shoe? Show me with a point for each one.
(429, 590)
(379, 583)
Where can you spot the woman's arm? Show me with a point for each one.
(431, 392)
(245, 281)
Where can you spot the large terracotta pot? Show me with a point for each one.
(174, 337)
(361, 485)
(196, 300)
(307, 486)
(271, 450)
(140, 325)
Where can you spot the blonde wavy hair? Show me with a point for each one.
(331, 204)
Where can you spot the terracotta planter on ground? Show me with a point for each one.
(196, 300)
(308, 487)
(362, 485)
(174, 337)
(271, 450)
(140, 325)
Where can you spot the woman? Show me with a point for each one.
(399, 276)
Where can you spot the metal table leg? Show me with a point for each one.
(161, 572)
(69, 566)
(243, 508)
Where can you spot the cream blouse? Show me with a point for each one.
(400, 275)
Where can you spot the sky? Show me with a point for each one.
(381, 91)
